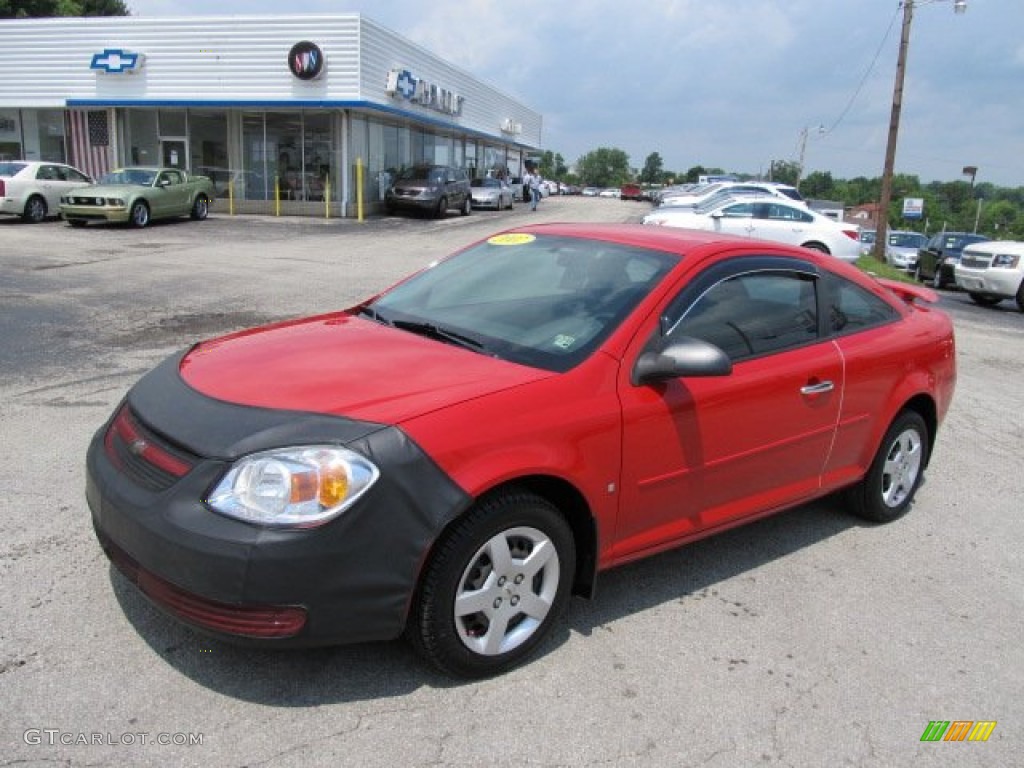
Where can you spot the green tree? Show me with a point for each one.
(818, 185)
(785, 171)
(34, 9)
(552, 166)
(652, 172)
(604, 167)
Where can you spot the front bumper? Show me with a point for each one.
(117, 214)
(349, 580)
(992, 282)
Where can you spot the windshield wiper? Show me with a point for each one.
(437, 332)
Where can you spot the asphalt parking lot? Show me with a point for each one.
(807, 639)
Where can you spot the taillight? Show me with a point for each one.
(853, 234)
(3, 190)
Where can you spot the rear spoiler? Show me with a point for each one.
(909, 292)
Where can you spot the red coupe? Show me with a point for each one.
(454, 457)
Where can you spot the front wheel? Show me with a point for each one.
(35, 210)
(442, 207)
(139, 214)
(200, 208)
(984, 299)
(888, 489)
(495, 585)
(467, 207)
(937, 281)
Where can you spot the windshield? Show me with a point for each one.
(139, 176)
(433, 174)
(485, 183)
(542, 301)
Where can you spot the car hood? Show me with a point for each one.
(106, 190)
(346, 366)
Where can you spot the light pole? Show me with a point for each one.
(959, 6)
(803, 150)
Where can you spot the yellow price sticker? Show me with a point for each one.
(512, 238)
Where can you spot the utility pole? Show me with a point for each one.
(881, 228)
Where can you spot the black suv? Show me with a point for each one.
(430, 188)
(937, 259)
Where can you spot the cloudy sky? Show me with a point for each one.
(730, 84)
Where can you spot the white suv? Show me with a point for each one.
(992, 271)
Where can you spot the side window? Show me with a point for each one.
(754, 314)
(739, 211)
(46, 173)
(852, 308)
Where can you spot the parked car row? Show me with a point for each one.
(37, 190)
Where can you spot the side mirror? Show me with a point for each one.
(685, 356)
(717, 215)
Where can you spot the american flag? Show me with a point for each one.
(90, 141)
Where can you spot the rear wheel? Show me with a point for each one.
(937, 280)
(139, 214)
(35, 210)
(888, 489)
(200, 208)
(984, 299)
(820, 247)
(494, 586)
(1020, 296)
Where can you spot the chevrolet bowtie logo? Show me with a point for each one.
(115, 60)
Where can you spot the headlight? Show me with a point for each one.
(298, 487)
(1005, 261)
(115, 201)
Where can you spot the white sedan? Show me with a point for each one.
(782, 222)
(490, 193)
(32, 189)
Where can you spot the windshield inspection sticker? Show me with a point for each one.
(564, 342)
(512, 238)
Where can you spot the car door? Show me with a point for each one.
(701, 454)
(735, 219)
(171, 196)
(781, 223)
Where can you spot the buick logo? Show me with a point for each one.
(306, 61)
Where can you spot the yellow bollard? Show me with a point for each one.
(277, 195)
(231, 198)
(359, 187)
(327, 196)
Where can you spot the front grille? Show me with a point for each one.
(143, 456)
(86, 200)
(976, 260)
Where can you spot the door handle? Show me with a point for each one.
(819, 388)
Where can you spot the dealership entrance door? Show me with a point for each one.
(173, 153)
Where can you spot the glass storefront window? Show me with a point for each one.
(173, 122)
(257, 176)
(284, 153)
(50, 135)
(142, 138)
(318, 161)
(208, 146)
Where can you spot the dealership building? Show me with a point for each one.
(296, 115)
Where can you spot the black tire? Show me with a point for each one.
(1020, 296)
(984, 299)
(467, 207)
(468, 617)
(35, 210)
(138, 216)
(442, 208)
(937, 282)
(916, 274)
(888, 489)
(200, 208)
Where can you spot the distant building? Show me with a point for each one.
(283, 108)
(864, 215)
